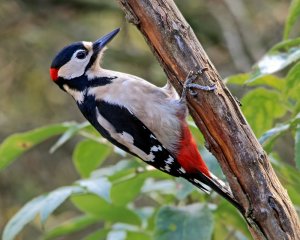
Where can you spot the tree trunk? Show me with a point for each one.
(228, 136)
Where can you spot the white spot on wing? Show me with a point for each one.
(182, 170)
(167, 168)
(156, 148)
(152, 136)
(170, 160)
(148, 158)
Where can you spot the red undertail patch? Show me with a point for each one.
(188, 155)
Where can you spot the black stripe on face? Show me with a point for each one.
(66, 54)
(81, 83)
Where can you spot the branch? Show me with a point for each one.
(269, 211)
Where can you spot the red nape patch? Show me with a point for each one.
(188, 155)
(54, 74)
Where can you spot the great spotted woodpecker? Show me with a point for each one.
(142, 119)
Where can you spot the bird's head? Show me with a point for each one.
(75, 60)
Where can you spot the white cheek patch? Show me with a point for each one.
(71, 69)
(75, 67)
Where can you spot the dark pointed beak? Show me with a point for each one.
(101, 42)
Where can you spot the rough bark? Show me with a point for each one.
(228, 136)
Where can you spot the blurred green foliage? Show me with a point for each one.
(115, 196)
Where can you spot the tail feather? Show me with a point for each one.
(207, 183)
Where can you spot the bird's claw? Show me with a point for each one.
(188, 84)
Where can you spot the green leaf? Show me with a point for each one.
(73, 225)
(279, 57)
(23, 217)
(46, 204)
(268, 80)
(228, 216)
(261, 107)
(16, 144)
(125, 227)
(97, 235)
(98, 207)
(117, 235)
(184, 188)
(191, 222)
(196, 133)
(145, 213)
(297, 147)
(121, 166)
(274, 133)
(163, 186)
(289, 177)
(68, 135)
(294, 13)
(128, 232)
(212, 163)
(238, 79)
(138, 236)
(286, 45)
(127, 190)
(269, 137)
(55, 198)
(263, 80)
(100, 186)
(293, 82)
(88, 155)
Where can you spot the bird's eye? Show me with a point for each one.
(81, 55)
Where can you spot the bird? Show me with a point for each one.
(140, 118)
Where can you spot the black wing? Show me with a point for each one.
(124, 121)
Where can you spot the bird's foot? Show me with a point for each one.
(188, 84)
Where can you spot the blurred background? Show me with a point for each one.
(234, 33)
